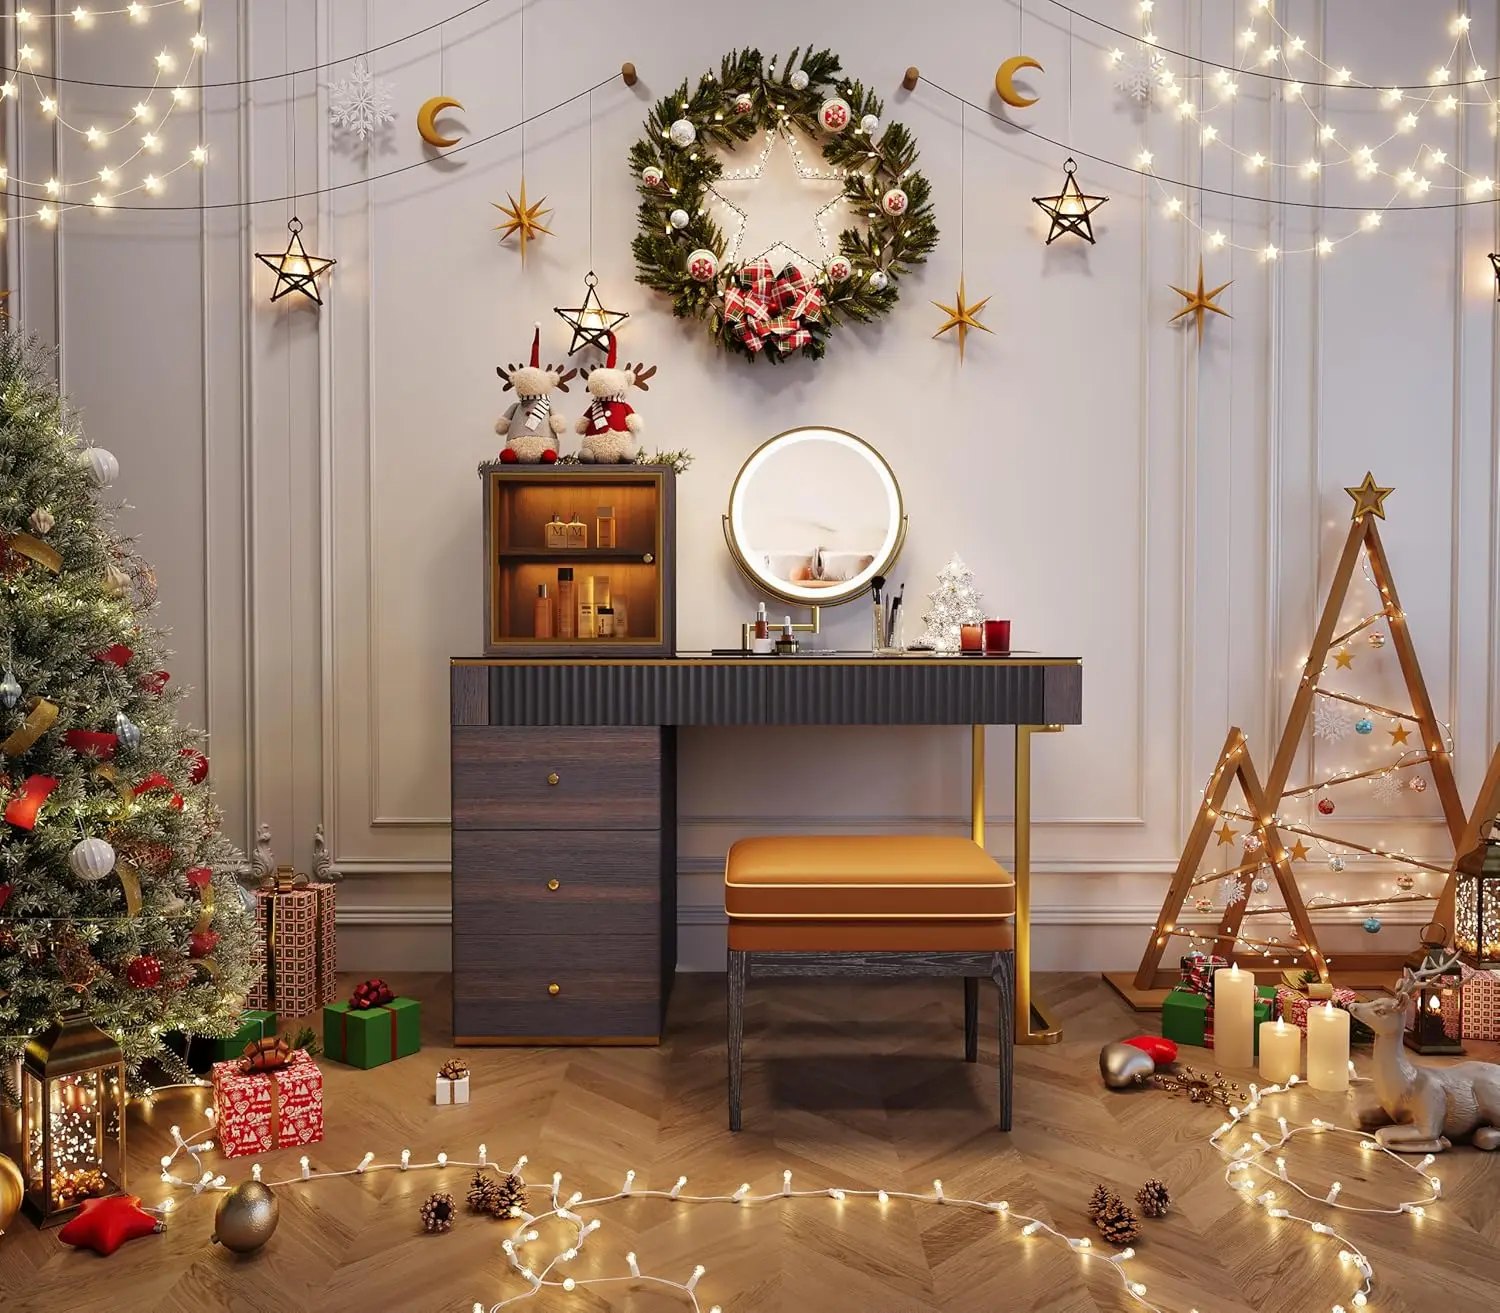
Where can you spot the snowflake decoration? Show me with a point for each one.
(1330, 723)
(1386, 787)
(1138, 74)
(1234, 891)
(360, 103)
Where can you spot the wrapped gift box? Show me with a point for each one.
(201, 1052)
(369, 1037)
(1197, 971)
(452, 1091)
(297, 929)
(1188, 1017)
(260, 1111)
(1481, 999)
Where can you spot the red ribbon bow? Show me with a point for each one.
(773, 309)
(371, 994)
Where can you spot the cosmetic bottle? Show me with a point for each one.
(761, 644)
(567, 604)
(541, 624)
(604, 527)
(622, 617)
(786, 645)
(604, 622)
(578, 533)
(586, 606)
(555, 533)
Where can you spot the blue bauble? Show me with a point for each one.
(1372, 925)
(1363, 725)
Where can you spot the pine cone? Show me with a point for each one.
(1101, 1199)
(484, 1192)
(1153, 1199)
(1117, 1223)
(437, 1212)
(510, 1197)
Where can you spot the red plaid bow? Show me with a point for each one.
(371, 994)
(771, 308)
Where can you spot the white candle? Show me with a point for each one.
(1328, 1048)
(1234, 1018)
(1280, 1051)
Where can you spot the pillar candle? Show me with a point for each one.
(1280, 1051)
(1234, 1018)
(1328, 1048)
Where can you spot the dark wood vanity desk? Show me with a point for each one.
(565, 813)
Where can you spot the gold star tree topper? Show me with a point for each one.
(1200, 302)
(1369, 499)
(522, 220)
(962, 316)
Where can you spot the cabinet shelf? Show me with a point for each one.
(566, 554)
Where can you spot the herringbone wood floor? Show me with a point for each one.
(846, 1084)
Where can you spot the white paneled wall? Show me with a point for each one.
(306, 480)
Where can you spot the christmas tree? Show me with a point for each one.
(954, 603)
(118, 894)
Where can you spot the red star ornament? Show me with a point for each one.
(106, 1224)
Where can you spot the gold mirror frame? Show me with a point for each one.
(891, 548)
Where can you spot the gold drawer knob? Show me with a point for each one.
(648, 558)
(553, 778)
(553, 885)
(554, 990)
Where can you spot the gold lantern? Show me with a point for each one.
(1436, 1023)
(72, 1118)
(1477, 882)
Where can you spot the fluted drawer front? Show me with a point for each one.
(558, 882)
(514, 778)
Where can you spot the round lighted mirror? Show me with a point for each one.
(814, 516)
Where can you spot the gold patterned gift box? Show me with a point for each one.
(296, 925)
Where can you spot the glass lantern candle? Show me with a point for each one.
(1477, 883)
(72, 1118)
(1435, 1024)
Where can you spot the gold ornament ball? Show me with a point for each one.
(1377, 639)
(246, 1218)
(12, 1188)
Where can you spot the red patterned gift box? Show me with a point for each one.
(297, 929)
(259, 1111)
(1294, 1003)
(1481, 999)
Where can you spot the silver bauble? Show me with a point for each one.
(683, 133)
(1124, 1065)
(102, 465)
(1260, 884)
(247, 898)
(679, 219)
(869, 125)
(91, 860)
(246, 1218)
(127, 731)
(1335, 863)
(10, 689)
(798, 80)
(879, 280)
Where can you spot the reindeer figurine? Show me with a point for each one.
(1430, 1106)
(531, 427)
(610, 424)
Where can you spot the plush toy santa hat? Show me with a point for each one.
(536, 347)
(609, 362)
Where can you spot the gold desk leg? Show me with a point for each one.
(976, 786)
(1033, 1026)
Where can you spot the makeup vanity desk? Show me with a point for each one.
(565, 813)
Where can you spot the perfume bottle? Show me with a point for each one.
(541, 623)
(761, 644)
(567, 606)
(555, 533)
(578, 533)
(604, 527)
(786, 645)
(622, 617)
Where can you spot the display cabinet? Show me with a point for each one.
(579, 560)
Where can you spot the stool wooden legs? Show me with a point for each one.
(1004, 973)
(737, 973)
(971, 1019)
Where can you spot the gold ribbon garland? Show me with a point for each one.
(43, 716)
(49, 558)
(130, 882)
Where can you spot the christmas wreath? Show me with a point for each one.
(755, 307)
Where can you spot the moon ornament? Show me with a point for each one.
(426, 126)
(1005, 84)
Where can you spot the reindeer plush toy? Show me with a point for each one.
(531, 426)
(610, 424)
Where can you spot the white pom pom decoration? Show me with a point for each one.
(102, 465)
(91, 859)
(683, 133)
(798, 80)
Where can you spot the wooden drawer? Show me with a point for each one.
(511, 778)
(608, 882)
(607, 988)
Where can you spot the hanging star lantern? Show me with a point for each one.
(522, 220)
(296, 270)
(1200, 302)
(1070, 210)
(1226, 834)
(1369, 498)
(962, 316)
(591, 323)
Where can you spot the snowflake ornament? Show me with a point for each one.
(1330, 723)
(1386, 787)
(1138, 74)
(360, 103)
(1234, 891)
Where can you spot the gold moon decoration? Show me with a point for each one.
(425, 125)
(1005, 85)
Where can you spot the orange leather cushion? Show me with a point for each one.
(854, 878)
(809, 936)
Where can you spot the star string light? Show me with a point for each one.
(805, 173)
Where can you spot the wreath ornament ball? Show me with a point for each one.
(752, 308)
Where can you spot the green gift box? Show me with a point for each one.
(369, 1037)
(200, 1052)
(1187, 1018)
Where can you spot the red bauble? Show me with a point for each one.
(198, 765)
(202, 943)
(1325, 805)
(143, 972)
(155, 682)
(1161, 1049)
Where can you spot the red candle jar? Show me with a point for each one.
(970, 638)
(997, 637)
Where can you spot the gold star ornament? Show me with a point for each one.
(522, 220)
(962, 316)
(1200, 302)
(1226, 834)
(1399, 735)
(1343, 658)
(1369, 499)
(296, 270)
(1299, 851)
(1070, 210)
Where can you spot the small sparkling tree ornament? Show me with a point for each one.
(652, 176)
(955, 602)
(360, 104)
(1335, 863)
(10, 689)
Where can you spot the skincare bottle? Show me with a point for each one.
(604, 622)
(578, 532)
(586, 610)
(541, 624)
(567, 605)
(555, 533)
(604, 527)
(622, 617)
(761, 644)
(786, 645)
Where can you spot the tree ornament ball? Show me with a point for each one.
(840, 270)
(1364, 725)
(143, 972)
(1325, 806)
(1377, 639)
(41, 521)
(894, 201)
(679, 219)
(1260, 884)
(798, 80)
(1203, 904)
(10, 689)
(202, 943)
(102, 465)
(197, 765)
(1335, 863)
(834, 114)
(744, 103)
(1418, 784)
(1405, 882)
(246, 1218)
(879, 280)
(12, 1191)
(702, 264)
(683, 133)
(91, 860)
(1372, 925)
(869, 125)
(127, 731)
(652, 176)
(1252, 842)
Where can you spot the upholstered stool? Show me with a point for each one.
(865, 905)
